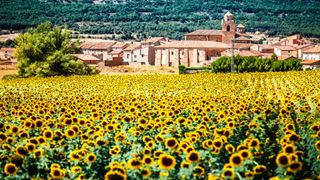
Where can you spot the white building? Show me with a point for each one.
(311, 53)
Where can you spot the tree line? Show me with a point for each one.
(139, 19)
(256, 64)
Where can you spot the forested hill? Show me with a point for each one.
(172, 18)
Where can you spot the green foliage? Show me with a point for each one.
(8, 44)
(163, 17)
(46, 51)
(182, 69)
(10, 76)
(254, 64)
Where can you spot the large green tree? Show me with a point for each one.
(47, 51)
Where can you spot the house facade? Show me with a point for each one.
(189, 53)
(312, 53)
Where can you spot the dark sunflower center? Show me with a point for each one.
(11, 169)
(167, 161)
(236, 160)
(194, 157)
(283, 160)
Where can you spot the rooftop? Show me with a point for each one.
(132, 47)
(86, 57)
(96, 45)
(315, 49)
(205, 33)
(286, 48)
(195, 44)
(154, 39)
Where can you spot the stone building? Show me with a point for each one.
(230, 31)
(143, 53)
(189, 53)
(100, 50)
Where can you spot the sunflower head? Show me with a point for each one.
(166, 162)
(10, 169)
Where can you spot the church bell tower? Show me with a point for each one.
(228, 28)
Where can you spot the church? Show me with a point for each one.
(230, 31)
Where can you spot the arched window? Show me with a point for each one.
(228, 28)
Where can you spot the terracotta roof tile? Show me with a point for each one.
(132, 47)
(120, 45)
(315, 49)
(286, 48)
(96, 45)
(86, 57)
(205, 32)
(284, 57)
(195, 44)
(154, 39)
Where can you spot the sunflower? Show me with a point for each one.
(37, 153)
(166, 162)
(30, 147)
(157, 153)
(91, 158)
(245, 154)
(198, 171)
(56, 173)
(193, 156)
(21, 150)
(171, 143)
(147, 160)
(249, 174)
(254, 143)
(259, 169)
(282, 160)
(228, 173)
(76, 169)
(289, 149)
(185, 164)
(146, 172)
(317, 145)
(48, 135)
(236, 160)
(295, 167)
(75, 156)
(134, 163)
(230, 149)
(70, 133)
(115, 175)
(10, 169)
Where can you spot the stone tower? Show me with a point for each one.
(228, 28)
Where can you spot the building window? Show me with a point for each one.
(135, 56)
(142, 55)
(172, 52)
(128, 56)
(228, 28)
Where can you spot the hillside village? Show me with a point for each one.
(199, 48)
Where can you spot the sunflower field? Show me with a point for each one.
(200, 126)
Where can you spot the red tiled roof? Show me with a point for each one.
(311, 62)
(132, 47)
(244, 53)
(153, 40)
(284, 57)
(242, 45)
(120, 45)
(315, 49)
(195, 44)
(305, 46)
(86, 57)
(243, 38)
(205, 33)
(286, 48)
(96, 45)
